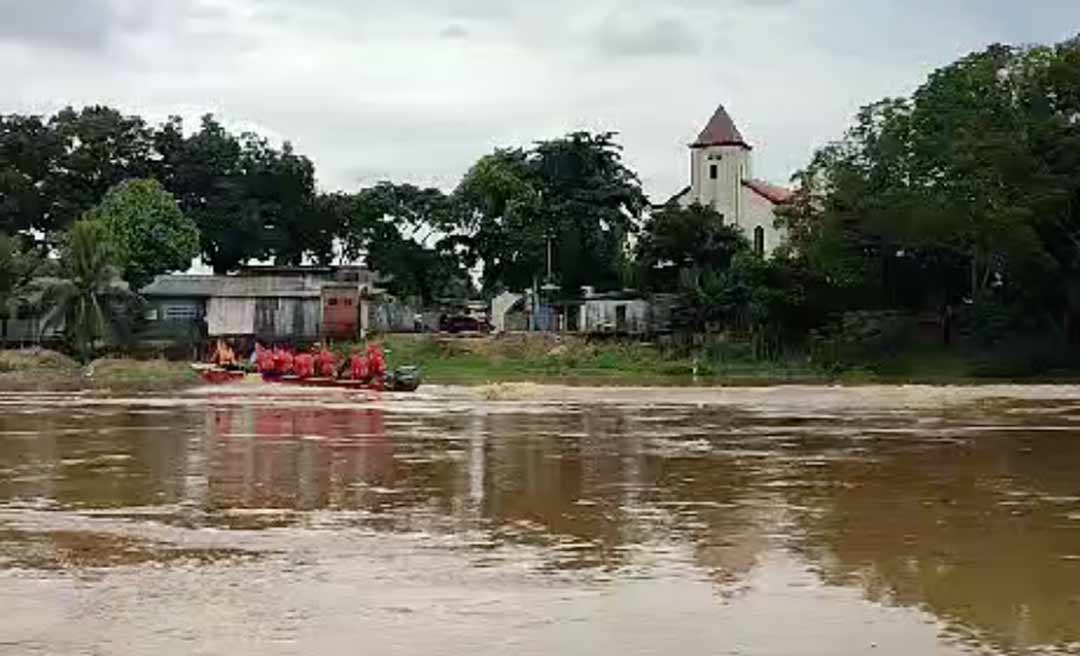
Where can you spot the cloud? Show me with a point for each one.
(454, 31)
(629, 35)
(385, 88)
(86, 24)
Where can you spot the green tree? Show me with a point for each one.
(89, 301)
(967, 190)
(573, 193)
(678, 245)
(28, 152)
(150, 234)
(18, 267)
(210, 173)
(402, 231)
(98, 148)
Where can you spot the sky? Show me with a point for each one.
(417, 90)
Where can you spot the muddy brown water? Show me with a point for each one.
(549, 521)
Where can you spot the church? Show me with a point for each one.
(721, 177)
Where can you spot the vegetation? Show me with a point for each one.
(89, 302)
(941, 227)
(148, 232)
(521, 358)
(39, 369)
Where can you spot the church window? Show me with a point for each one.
(759, 240)
(713, 171)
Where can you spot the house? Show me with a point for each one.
(721, 177)
(294, 304)
(624, 312)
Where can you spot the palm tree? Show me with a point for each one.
(90, 302)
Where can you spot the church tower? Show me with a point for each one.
(719, 165)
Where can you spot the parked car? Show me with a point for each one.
(462, 324)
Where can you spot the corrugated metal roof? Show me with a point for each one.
(174, 286)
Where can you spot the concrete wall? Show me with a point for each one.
(500, 305)
(390, 315)
(602, 316)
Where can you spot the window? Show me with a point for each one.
(181, 313)
(332, 302)
(713, 171)
(759, 240)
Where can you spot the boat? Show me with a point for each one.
(218, 375)
(401, 379)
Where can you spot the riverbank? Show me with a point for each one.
(39, 369)
(544, 360)
(560, 359)
(551, 359)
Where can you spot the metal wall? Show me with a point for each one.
(287, 318)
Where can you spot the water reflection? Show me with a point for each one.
(971, 514)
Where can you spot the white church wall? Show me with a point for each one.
(760, 211)
(723, 193)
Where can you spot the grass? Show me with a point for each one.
(40, 369)
(547, 358)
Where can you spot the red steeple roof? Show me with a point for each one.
(720, 131)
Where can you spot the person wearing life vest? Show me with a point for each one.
(304, 365)
(264, 360)
(283, 362)
(358, 367)
(324, 362)
(376, 364)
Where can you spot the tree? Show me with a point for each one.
(967, 190)
(18, 266)
(680, 244)
(89, 301)
(574, 195)
(401, 231)
(150, 234)
(99, 148)
(208, 172)
(28, 152)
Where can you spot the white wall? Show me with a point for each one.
(760, 211)
(600, 315)
(724, 193)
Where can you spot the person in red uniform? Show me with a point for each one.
(358, 369)
(264, 359)
(304, 365)
(376, 364)
(283, 362)
(325, 364)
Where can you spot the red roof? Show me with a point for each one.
(720, 131)
(771, 192)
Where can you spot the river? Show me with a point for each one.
(536, 520)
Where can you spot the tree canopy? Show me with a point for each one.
(574, 192)
(149, 233)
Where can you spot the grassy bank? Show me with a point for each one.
(38, 370)
(545, 358)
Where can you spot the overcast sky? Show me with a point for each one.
(416, 90)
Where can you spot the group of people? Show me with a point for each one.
(320, 362)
